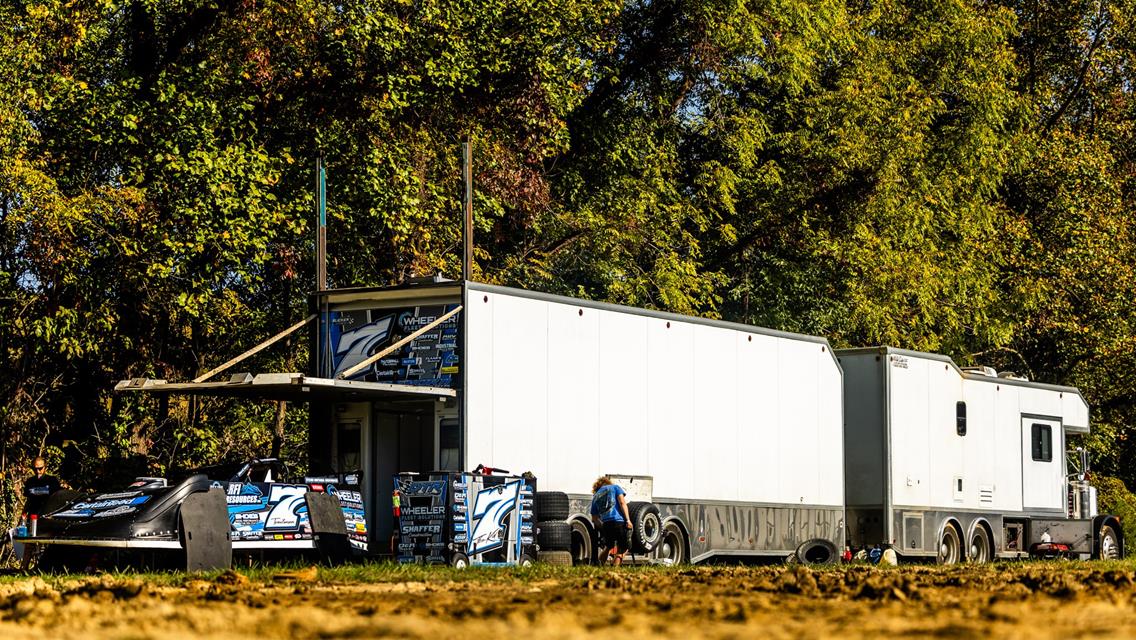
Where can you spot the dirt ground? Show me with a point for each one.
(1029, 600)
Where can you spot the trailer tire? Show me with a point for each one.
(459, 560)
(646, 527)
(525, 560)
(672, 544)
(950, 546)
(979, 550)
(583, 543)
(554, 535)
(1109, 545)
(556, 558)
(816, 552)
(550, 505)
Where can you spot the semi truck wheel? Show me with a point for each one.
(550, 505)
(979, 550)
(1109, 543)
(672, 544)
(554, 535)
(950, 547)
(646, 526)
(583, 543)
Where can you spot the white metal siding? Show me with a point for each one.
(707, 411)
(758, 451)
(798, 413)
(993, 460)
(623, 405)
(669, 365)
(573, 420)
(715, 387)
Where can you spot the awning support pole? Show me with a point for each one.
(258, 348)
(398, 345)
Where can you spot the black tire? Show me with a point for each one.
(550, 505)
(672, 545)
(979, 551)
(556, 558)
(950, 546)
(583, 543)
(817, 552)
(459, 560)
(1108, 545)
(526, 560)
(554, 535)
(646, 526)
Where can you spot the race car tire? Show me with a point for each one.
(550, 505)
(54, 558)
(328, 527)
(556, 558)
(204, 531)
(817, 552)
(646, 526)
(554, 535)
(459, 560)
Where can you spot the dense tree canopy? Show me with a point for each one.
(945, 175)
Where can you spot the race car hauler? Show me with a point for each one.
(733, 432)
(965, 464)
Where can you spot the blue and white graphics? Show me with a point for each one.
(491, 506)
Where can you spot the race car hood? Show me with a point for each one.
(146, 512)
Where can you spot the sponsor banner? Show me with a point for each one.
(428, 360)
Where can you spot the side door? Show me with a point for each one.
(1043, 464)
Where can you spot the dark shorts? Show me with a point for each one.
(616, 534)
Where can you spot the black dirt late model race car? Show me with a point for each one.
(200, 521)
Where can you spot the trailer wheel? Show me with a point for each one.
(554, 535)
(672, 544)
(550, 505)
(459, 560)
(525, 560)
(1109, 543)
(583, 543)
(950, 547)
(646, 527)
(979, 551)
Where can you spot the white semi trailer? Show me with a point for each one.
(734, 432)
(954, 464)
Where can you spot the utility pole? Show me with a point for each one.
(467, 209)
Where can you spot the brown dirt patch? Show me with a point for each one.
(1024, 600)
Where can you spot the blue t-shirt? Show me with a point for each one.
(605, 503)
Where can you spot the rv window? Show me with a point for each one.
(449, 445)
(1042, 439)
(960, 418)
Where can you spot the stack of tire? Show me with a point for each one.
(553, 533)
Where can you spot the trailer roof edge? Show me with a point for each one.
(651, 313)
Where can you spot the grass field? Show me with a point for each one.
(1034, 600)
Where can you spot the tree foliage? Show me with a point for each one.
(944, 175)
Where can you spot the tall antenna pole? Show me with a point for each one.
(321, 233)
(467, 209)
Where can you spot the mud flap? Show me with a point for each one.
(205, 531)
(328, 527)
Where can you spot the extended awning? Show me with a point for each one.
(293, 387)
